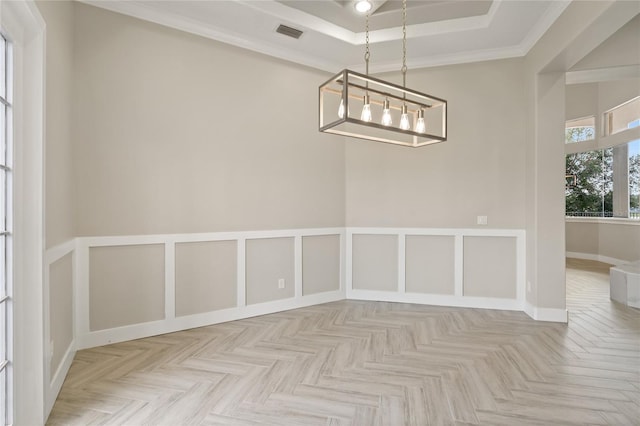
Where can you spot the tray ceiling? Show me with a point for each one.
(439, 31)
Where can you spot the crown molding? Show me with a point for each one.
(273, 8)
(145, 13)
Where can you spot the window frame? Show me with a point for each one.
(607, 118)
(600, 219)
(6, 226)
(579, 119)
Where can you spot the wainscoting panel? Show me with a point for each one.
(206, 276)
(433, 266)
(268, 261)
(126, 285)
(490, 267)
(59, 312)
(321, 256)
(129, 287)
(194, 280)
(375, 262)
(61, 309)
(430, 264)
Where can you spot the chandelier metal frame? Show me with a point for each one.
(390, 113)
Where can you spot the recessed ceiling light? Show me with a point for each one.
(363, 6)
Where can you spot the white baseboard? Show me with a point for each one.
(58, 378)
(436, 299)
(596, 257)
(546, 314)
(154, 328)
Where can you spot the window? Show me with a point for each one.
(604, 183)
(5, 227)
(581, 129)
(622, 117)
(634, 179)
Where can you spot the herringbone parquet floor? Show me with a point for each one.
(366, 363)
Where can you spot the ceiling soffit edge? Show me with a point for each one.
(300, 18)
(543, 25)
(258, 45)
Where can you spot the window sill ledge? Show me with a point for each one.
(607, 220)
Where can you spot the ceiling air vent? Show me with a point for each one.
(288, 31)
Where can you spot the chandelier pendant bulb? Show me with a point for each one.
(404, 119)
(420, 124)
(381, 101)
(366, 109)
(386, 114)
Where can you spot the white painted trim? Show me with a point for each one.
(26, 385)
(297, 266)
(241, 259)
(351, 38)
(438, 300)
(126, 240)
(53, 384)
(546, 314)
(402, 254)
(458, 298)
(349, 263)
(521, 267)
(469, 232)
(187, 25)
(556, 9)
(596, 257)
(81, 286)
(58, 378)
(343, 263)
(170, 280)
(86, 338)
(603, 74)
(56, 253)
(603, 220)
(458, 265)
(136, 331)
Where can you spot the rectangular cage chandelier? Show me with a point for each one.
(360, 106)
(397, 115)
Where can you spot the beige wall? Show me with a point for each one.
(269, 260)
(375, 262)
(429, 263)
(613, 93)
(579, 30)
(126, 285)
(617, 50)
(206, 276)
(61, 310)
(582, 101)
(59, 201)
(619, 241)
(490, 267)
(610, 240)
(320, 264)
(178, 133)
(582, 237)
(478, 171)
